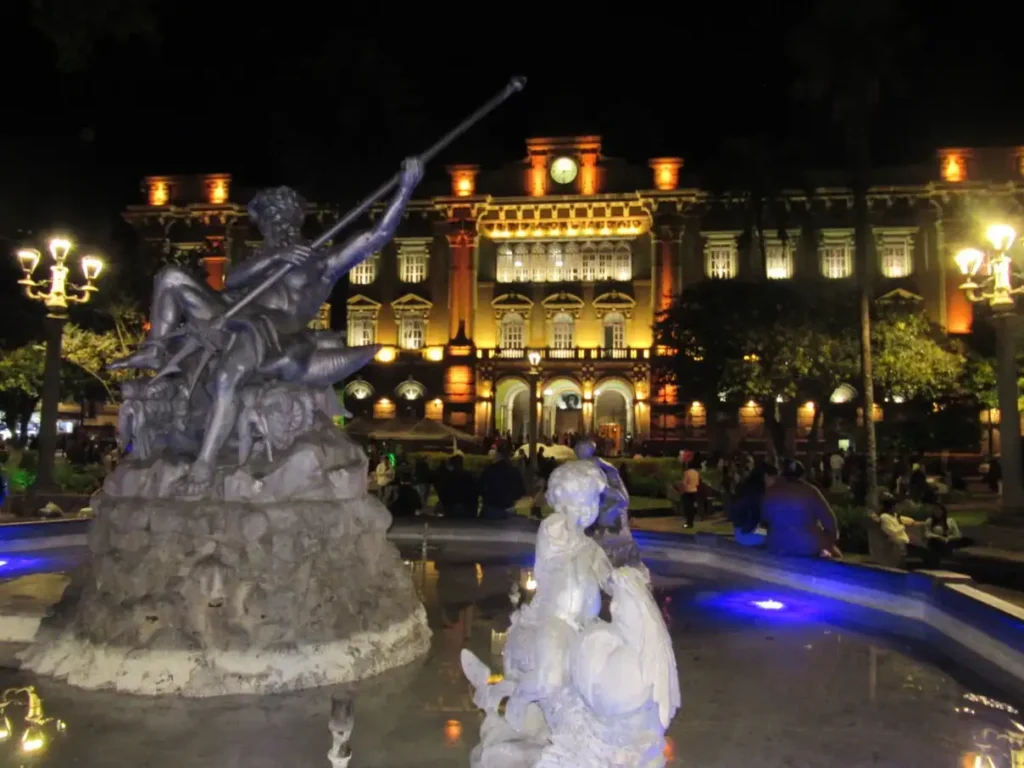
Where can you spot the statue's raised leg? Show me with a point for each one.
(177, 296)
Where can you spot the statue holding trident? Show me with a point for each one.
(236, 549)
(270, 337)
(256, 331)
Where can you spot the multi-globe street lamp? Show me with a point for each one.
(57, 294)
(533, 357)
(990, 277)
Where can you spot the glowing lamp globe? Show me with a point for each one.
(969, 261)
(29, 260)
(1001, 236)
(91, 267)
(59, 247)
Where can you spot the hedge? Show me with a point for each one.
(651, 477)
(21, 473)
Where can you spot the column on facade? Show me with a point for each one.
(461, 243)
(666, 273)
(215, 262)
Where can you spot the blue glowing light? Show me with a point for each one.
(763, 605)
(768, 605)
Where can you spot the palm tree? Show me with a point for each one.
(846, 52)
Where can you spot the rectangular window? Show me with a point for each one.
(778, 261)
(721, 259)
(365, 272)
(412, 332)
(836, 258)
(412, 262)
(361, 330)
(562, 334)
(895, 256)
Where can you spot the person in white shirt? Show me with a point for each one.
(888, 539)
(835, 463)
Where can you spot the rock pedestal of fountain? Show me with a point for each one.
(279, 578)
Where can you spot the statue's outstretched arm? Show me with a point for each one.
(363, 245)
(251, 270)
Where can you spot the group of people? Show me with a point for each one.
(406, 488)
(788, 515)
(783, 512)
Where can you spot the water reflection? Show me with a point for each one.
(757, 689)
(25, 730)
(998, 738)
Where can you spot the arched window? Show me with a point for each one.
(538, 263)
(562, 331)
(605, 259)
(556, 262)
(623, 262)
(506, 266)
(521, 263)
(410, 389)
(359, 389)
(588, 256)
(572, 265)
(614, 331)
(512, 327)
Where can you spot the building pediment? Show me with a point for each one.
(562, 301)
(411, 303)
(361, 303)
(511, 302)
(898, 295)
(614, 301)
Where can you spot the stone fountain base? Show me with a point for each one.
(212, 597)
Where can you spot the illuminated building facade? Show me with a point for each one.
(573, 254)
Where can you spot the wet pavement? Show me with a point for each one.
(769, 678)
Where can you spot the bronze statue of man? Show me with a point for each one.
(269, 339)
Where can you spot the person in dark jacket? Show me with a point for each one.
(745, 505)
(457, 490)
(501, 486)
(406, 502)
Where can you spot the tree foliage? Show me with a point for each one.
(787, 341)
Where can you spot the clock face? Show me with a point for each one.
(563, 170)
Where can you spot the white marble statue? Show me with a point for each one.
(578, 691)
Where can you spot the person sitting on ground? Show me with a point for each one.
(745, 506)
(501, 486)
(799, 520)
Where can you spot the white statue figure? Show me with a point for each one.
(577, 690)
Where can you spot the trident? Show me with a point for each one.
(191, 344)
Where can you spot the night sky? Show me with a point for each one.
(329, 99)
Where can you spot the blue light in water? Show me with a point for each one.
(763, 605)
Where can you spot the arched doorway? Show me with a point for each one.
(512, 402)
(613, 414)
(563, 409)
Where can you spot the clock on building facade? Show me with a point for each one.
(564, 170)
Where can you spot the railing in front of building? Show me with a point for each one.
(567, 353)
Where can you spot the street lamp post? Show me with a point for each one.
(54, 293)
(533, 356)
(989, 278)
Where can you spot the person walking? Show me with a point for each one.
(689, 493)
